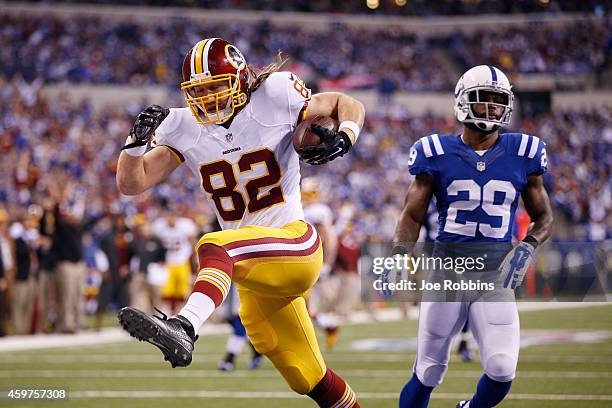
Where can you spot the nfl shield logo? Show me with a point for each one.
(480, 166)
(229, 137)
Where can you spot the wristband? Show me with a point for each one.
(352, 126)
(530, 239)
(135, 151)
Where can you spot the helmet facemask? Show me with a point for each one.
(474, 107)
(213, 107)
(484, 99)
(215, 81)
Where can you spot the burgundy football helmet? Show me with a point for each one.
(215, 80)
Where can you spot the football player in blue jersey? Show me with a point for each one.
(477, 178)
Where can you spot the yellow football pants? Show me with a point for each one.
(178, 284)
(273, 269)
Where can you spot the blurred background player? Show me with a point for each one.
(324, 295)
(116, 244)
(238, 338)
(177, 234)
(150, 274)
(337, 293)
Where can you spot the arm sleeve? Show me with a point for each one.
(418, 163)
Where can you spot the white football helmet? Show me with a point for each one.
(471, 90)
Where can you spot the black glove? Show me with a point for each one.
(147, 121)
(333, 145)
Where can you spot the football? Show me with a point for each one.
(303, 136)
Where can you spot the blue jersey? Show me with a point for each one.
(477, 195)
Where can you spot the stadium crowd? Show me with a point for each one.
(418, 8)
(137, 52)
(59, 202)
(584, 48)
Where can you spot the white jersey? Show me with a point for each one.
(250, 171)
(318, 213)
(177, 239)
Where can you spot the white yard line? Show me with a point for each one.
(118, 358)
(116, 335)
(194, 373)
(283, 395)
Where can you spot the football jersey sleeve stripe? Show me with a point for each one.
(523, 146)
(302, 114)
(426, 146)
(535, 142)
(177, 155)
(437, 145)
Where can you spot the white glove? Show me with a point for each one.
(514, 266)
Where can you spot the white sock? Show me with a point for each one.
(235, 344)
(197, 310)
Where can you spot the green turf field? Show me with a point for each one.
(132, 374)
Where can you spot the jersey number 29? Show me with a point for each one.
(483, 197)
(256, 202)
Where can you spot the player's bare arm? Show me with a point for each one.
(414, 211)
(137, 171)
(137, 174)
(538, 207)
(339, 106)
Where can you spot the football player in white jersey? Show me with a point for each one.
(324, 295)
(236, 136)
(177, 234)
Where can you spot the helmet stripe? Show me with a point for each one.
(493, 73)
(207, 46)
(196, 57)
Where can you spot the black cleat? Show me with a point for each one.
(174, 336)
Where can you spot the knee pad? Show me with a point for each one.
(500, 367)
(261, 333)
(432, 375)
(301, 376)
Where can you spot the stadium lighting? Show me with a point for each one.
(401, 3)
(372, 4)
